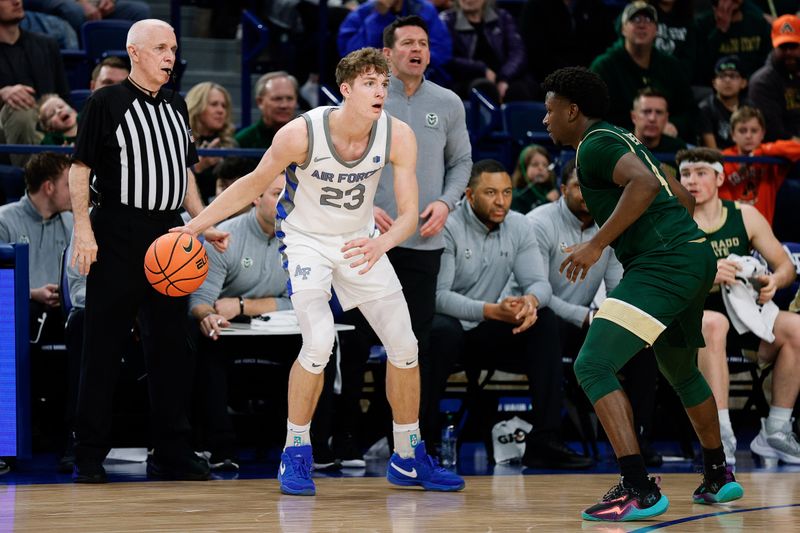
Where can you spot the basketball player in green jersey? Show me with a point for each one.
(669, 268)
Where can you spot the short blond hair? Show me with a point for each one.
(360, 62)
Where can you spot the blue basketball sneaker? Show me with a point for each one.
(294, 472)
(421, 470)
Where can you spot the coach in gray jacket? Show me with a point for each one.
(484, 245)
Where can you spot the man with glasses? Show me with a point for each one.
(775, 87)
(716, 109)
(633, 63)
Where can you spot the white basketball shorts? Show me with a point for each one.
(316, 261)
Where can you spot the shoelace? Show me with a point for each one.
(300, 465)
(434, 464)
(615, 492)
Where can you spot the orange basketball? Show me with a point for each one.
(176, 264)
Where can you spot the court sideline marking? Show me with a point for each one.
(709, 515)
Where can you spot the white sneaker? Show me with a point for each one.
(784, 442)
(729, 445)
(781, 444)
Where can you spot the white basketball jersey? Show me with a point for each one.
(326, 194)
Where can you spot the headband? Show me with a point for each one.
(716, 166)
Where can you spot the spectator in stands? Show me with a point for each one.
(775, 87)
(734, 228)
(533, 179)
(677, 32)
(42, 218)
(210, 118)
(715, 110)
(633, 63)
(76, 12)
(732, 27)
(561, 34)
(52, 26)
(276, 97)
(484, 245)
(32, 68)
(488, 52)
(755, 183)
(364, 27)
(651, 125)
(249, 280)
(109, 71)
(564, 223)
(58, 120)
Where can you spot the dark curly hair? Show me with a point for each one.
(580, 86)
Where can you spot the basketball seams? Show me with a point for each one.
(156, 254)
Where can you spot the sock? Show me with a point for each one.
(406, 438)
(778, 417)
(725, 426)
(634, 473)
(297, 435)
(714, 463)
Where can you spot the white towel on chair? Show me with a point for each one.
(741, 300)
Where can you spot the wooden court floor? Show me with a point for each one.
(539, 503)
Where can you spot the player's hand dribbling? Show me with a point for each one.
(84, 249)
(580, 259)
(370, 249)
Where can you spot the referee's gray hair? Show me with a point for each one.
(261, 83)
(135, 33)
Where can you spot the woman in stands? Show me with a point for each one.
(210, 121)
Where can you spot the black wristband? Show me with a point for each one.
(241, 305)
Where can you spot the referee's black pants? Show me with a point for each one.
(117, 292)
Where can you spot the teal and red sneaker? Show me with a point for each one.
(624, 503)
(294, 472)
(720, 491)
(422, 470)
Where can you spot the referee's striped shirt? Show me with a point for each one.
(138, 147)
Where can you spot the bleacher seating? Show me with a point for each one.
(523, 122)
(12, 183)
(77, 97)
(77, 68)
(103, 37)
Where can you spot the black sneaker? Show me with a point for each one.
(183, 467)
(4, 468)
(723, 490)
(223, 463)
(553, 454)
(323, 458)
(89, 472)
(347, 452)
(623, 503)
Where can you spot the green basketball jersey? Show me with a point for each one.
(665, 224)
(730, 235)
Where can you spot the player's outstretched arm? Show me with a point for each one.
(290, 145)
(640, 187)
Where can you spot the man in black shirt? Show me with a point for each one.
(30, 66)
(134, 140)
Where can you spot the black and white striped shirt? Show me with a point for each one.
(138, 147)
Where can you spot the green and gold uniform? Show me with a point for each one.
(669, 270)
(728, 237)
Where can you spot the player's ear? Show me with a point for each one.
(344, 88)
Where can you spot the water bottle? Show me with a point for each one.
(449, 453)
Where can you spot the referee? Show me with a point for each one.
(135, 144)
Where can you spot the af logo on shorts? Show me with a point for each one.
(247, 262)
(301, 271)
(431, 120)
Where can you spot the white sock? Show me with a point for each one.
(725, 426)
(297, 435)
(406, 438)
(778, 417)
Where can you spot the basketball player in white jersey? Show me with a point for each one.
(333, 158)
